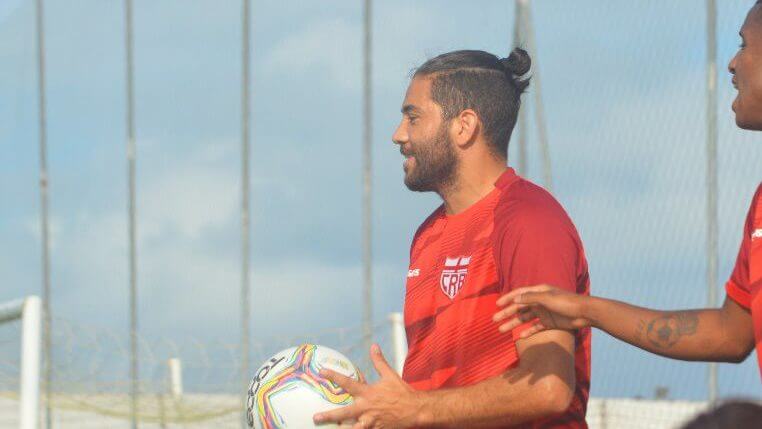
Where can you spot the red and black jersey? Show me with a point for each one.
(518, 235)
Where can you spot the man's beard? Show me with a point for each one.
(435, 164)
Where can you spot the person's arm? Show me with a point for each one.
(723, 334)
(540, 386)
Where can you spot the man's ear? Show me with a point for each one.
(465, 127)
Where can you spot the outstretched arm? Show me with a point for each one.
(723, 334)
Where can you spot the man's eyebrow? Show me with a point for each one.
(408, 108)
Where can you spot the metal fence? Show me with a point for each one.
(624, 110)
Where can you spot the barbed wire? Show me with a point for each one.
(90, 371)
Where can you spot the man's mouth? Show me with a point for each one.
(408, 158)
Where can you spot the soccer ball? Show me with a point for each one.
(287, 389)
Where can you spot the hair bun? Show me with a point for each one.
(516, 66)
(518, 62)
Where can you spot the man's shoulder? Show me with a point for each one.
(527, 203)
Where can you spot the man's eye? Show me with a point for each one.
(413, 119)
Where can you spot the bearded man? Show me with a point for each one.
(494, 232)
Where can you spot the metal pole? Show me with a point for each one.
(399, 341)
(518, 41)
(539, 111)
(367, 176)
(131, 230)
(245, 217)
(29, 398)
(712, 186)
(44, 218)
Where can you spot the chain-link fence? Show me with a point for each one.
(625, 96)
(624, 106)
(90, 363)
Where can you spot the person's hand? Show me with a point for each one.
(547, 306)
(389, 403)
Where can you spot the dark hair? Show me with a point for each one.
(733, 414)
(480, 81)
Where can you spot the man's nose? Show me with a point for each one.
(400, 136)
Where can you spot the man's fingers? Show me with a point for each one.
(535, 328)
(514, 294)
(508, 312)
(352, 386)
(350, 412)
(509, 325)
(364, 422)
(379, 362)
(509, 297)
(522, 315)
(534, 298)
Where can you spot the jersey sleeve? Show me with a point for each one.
(545, 250)
(737, 286)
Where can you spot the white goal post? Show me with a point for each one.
(29, 310)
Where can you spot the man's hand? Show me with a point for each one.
(550, 307)
(390, 403)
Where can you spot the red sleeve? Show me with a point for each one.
(540, 250)
(737, 286)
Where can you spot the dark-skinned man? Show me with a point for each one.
(726, 334)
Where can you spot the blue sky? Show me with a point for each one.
(623, 90)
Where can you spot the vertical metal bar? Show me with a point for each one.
(712, 186)
(29, 395)
(367, 176)
(519, 41)
(399, 341)
(245, 214)
(131, 229)
(44, 217)
(539, 110)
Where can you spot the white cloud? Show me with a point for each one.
(333, 47)
(197, 193)
(186, 285)
(330, 47)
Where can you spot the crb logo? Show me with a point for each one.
(454, 275)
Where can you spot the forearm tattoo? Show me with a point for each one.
(665, 331)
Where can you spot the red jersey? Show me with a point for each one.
(518, 235)
(745, 284)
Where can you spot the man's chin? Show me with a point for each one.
(415, 185)
(746, 123)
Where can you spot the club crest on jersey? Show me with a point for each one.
(454, 275)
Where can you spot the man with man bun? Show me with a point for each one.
(494, 232)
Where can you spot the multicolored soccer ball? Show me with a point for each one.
(288, 390)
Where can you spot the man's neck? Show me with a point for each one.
(471, 185)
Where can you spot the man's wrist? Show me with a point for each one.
(425, 416)
(592, 309)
